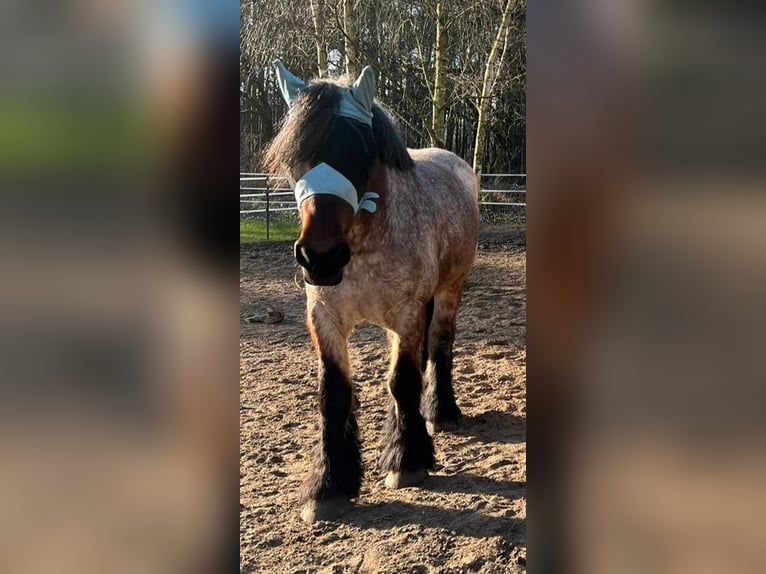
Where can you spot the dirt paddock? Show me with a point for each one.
(470, 514)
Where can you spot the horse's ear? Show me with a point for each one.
(289, 85)
(363, 88)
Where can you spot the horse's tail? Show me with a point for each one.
(429, 317)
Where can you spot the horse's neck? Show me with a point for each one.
(369, 230)
(393, 214)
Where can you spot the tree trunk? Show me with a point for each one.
(487, 86)
(317, 16)
(438, 108)
(350, 38)
(265, 111)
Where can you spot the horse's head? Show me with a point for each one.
(330, 148)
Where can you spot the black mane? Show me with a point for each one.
(312, 117)
(391, 148)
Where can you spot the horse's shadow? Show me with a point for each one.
(474, 484)
(463, 522)
(493, 426)
(470, 522)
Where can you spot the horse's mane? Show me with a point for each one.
(391, 148)
(311, 117)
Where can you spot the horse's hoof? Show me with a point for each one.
(406, 478)
(331, 509)
(442, 426)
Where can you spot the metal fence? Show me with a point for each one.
(260, 193)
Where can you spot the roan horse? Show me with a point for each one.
(388, 235)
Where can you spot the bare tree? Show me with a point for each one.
(491, 71)
(317, 16)
(438, 107)
(350, 34)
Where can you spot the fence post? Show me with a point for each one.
(267, 208)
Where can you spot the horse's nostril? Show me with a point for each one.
(306, 255)
(302, 255)
(342, 254)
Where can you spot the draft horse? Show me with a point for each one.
(388, 235)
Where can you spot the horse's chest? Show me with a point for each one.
(363, 270)
(375, 288)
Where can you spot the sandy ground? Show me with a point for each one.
(470, 514)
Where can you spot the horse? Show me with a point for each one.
(388, 235)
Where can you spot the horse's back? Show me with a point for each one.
(426, 158)
(451, 183)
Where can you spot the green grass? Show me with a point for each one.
(253, 231)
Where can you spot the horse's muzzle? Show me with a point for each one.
(322, 280)
(323, 269)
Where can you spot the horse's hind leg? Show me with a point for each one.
(408, 451)
(336, 469)
(438, 405)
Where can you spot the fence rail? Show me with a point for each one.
(272, 189)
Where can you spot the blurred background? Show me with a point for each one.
(118, 298)
(646, 245)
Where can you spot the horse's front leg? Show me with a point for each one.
(408, 450)
(336, 469)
